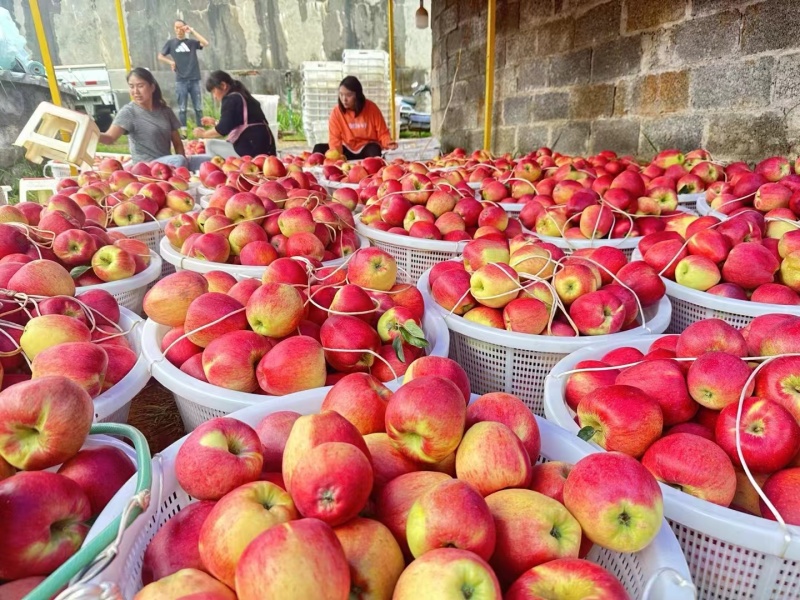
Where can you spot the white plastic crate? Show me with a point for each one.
(731, 555)
(198, 401)
(636, 571)
(690, 306)
(518, 363)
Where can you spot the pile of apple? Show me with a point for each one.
(295, 329)
(194, 147)
(771, 189)
(405, 495)
(734, 259)
(112, 196)
(246, 173)
(46, 512)
(528, 286)
(58, 233)
(679, 417)
(255, 229)
(47, 330)
(414, 206)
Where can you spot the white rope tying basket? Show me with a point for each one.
(731, 555)
(181, 262)
(518, 363)
(644, 574)
(199, 401)
(130, 292)
(113, 405)
(690, 306)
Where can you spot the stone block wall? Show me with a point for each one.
(625, 75)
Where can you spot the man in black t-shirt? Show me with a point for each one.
(183, 51)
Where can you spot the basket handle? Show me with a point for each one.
(95, 555)
(676, 578)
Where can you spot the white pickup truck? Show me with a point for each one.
(96, 94)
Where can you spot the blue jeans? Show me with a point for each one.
(184, 89)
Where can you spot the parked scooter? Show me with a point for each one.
(410, 118)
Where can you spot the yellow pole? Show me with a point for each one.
(488, 104)
(123, 37)
(55, 94)
(392, 112)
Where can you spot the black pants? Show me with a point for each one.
(371, 149)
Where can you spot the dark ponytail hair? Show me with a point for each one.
(217, 78)
(147, 76)
(352, 84)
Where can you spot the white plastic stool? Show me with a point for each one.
(39, 136)
(37, 185)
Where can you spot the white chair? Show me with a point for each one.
(60, 134)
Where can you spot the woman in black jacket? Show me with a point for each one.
(241, 118)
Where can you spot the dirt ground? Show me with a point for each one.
(154, 413)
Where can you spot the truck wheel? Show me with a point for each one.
(104, 120)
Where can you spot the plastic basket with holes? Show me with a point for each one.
(414, 256)
(689, 201)
(332, 186)
(130, 292)
(518, 363)
(704, 209)
(120, 514)
(690, 306)
(198, 401)
(181, 262)
(731, 555)
(113, 405)
(642, 573)
(151, 233)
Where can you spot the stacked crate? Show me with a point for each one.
(372, 69)
(320, 94)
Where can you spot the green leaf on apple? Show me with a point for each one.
(397, 344)
(587, 433)
(78, 271)
(414, 329)
(413, 336)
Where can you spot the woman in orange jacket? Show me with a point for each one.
(356, 127)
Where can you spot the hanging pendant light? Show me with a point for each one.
(421, 16)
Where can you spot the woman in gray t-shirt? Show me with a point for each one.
(151, 126)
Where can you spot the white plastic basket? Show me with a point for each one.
(151, 233)
(690, 201)
(633, 570)
(113, 405)
(518, 363)
(181, 262)
(331, 186)
(414, 256)
(704, 209)
(130, 292)
(690, 306)
(199, 401)
(731, 555)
